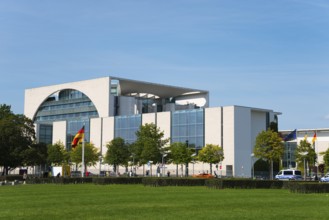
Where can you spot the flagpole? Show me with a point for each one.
(83, 154)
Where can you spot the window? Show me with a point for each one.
(127, 126)
(188, 125)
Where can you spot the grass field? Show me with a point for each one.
(88, 201)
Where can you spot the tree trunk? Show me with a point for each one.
(176, 170)
(186, 169)
(271, 170)
(210, 168)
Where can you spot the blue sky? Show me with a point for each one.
(257, 53)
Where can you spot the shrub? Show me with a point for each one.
(117, 180)
(173, 182)
(309, 187)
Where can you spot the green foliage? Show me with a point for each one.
(326, 159)
(306, 152)
(91, 155)
(57, 155)
(306, 187)
(180, 153)
(269, 146)
(211, 154)
(149, 145)
(117, 180)
(16, 135)
(35, 155)
(244, 184)
(173, 182)
(117, 152)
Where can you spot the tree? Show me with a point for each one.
(16, 135)
(326, 160)
(91, 155)
(305, 153)
(57, 155)
(180, 153)
(117, 153)
(211, 154)
(269, 146)
(35, 155)
(149, 145)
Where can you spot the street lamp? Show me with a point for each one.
(193, 155)
(304, 154)
(163, 167)
(155, 106)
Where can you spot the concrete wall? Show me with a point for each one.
(213, 126)
(98, 91)
(59, 132)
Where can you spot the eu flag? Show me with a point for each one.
(291, 136)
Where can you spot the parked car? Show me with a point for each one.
(75, 173)
(289, 175)
(325, 178)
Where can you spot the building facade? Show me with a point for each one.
(112, 107)
(318, 138)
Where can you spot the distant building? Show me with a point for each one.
(320, 144)
(115, 107)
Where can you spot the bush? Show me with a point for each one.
(243, 184)
(173, 182)
(309, 187)
(60, 180)
(11, 178)
(117, 180)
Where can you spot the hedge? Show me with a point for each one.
(305, 187)
(173, 182)
(243, 184)
(60, 180)
(117, 180)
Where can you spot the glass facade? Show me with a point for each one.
(289, 158)
(72, 129)
(188, 125)
(126, 127)
(45, 134)
(68, 105)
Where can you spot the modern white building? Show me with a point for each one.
(318, 138)
(115, 107)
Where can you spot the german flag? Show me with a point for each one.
(78, 138)
(314, 138)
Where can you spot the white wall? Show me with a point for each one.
(59, 132)
(242, 143)
(228, 136)
(213, 126)
(148, 118)
(98, 91)
(108, 132)
(164, 123)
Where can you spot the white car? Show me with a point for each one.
(325, 178)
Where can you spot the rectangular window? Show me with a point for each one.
(127, 126)
(188, 125)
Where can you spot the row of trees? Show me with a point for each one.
(151, 146)
(18, 148)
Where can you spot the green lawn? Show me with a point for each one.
(88, 201)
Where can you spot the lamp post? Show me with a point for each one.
(193, 155)
(186, 165)
(155, 106)
(304, 154)
(163, 167)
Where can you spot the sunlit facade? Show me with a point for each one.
(112, 107)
